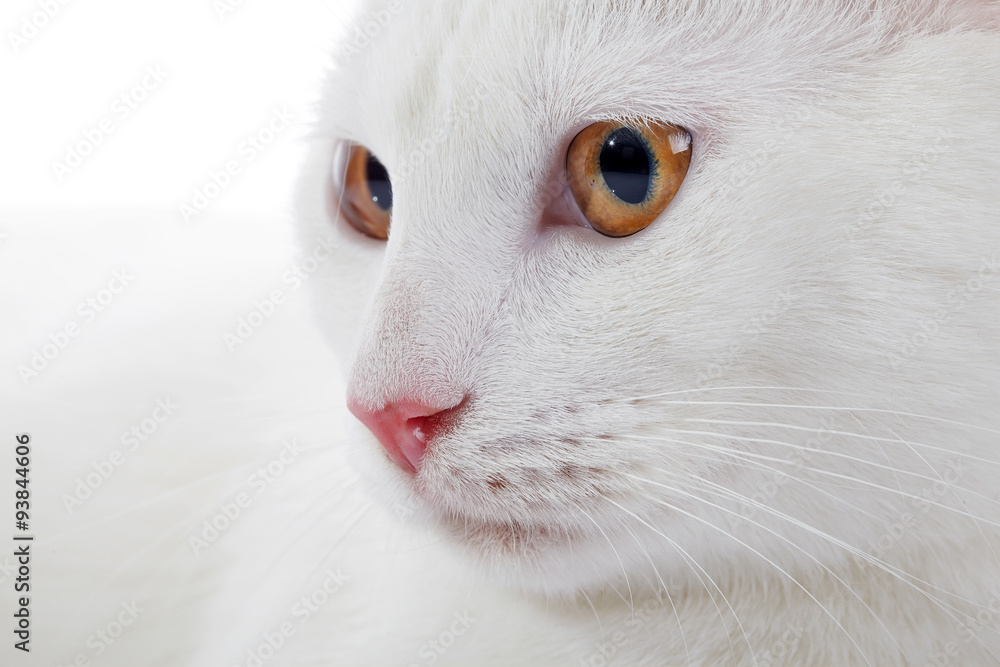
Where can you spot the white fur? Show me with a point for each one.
(803, 116)
(764, 297)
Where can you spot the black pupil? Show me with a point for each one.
(378, 183)
(625, 165)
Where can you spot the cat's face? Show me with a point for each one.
(611, 400)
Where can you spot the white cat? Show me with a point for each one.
(761, 430)
(683, 349)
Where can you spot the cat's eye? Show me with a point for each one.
(623, 177)
(366, 198)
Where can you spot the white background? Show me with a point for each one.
(77, 382)
(226, 73)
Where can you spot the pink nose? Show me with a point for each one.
(403, 428)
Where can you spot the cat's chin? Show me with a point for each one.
(503, 541)
(530, 558)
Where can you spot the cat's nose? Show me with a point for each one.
(403, 428)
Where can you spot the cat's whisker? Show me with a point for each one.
(812, 450)
(757, 466)
(989, 545)
(759, 505)
(698, 571)
(600, 626)
(904, 577)
(895, 470)
(776, 534)
(722, 490)
(848, 478)
(631, 601)
(663, 585)
(692, 390)
(809, 429)
(747, 546)
(832, 408)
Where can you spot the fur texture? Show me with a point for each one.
(781, 396)
(762, 431)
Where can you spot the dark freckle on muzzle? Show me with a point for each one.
(498, 483)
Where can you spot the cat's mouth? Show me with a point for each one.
(504, 539)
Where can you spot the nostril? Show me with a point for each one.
(411, 440)
(403, 428)
(418, 426)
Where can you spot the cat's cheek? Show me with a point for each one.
(331, 255)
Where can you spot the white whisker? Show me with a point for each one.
(751, 549)
(832, 408)
(631, 601)
(895, 470)
(809, 429)
(899, 574)
(695, 567)
(776, 534)
(663, 585)
(848, 478)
